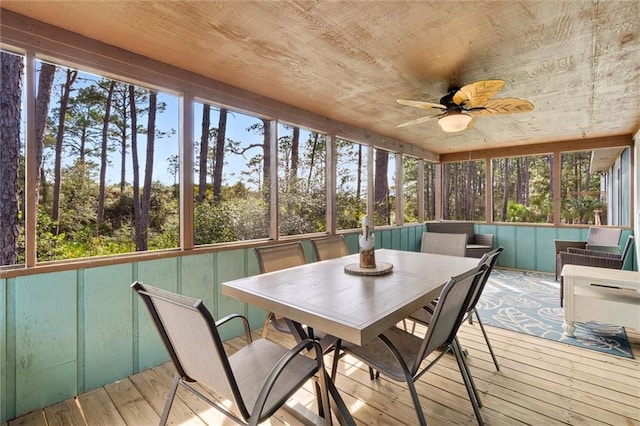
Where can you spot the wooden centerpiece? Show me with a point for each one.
(367, 264)
(367, 250)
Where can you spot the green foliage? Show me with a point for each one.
(352, 209)
(521, 213)
(211, 223)
(302, 212)
(249, 217)
(581, 209)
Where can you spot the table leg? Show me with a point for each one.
(569, 328)
(337, 403)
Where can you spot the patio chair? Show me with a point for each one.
(600, 239)
(274, 258)
(441, 243)
(399, 354)
(424, 315)
(258, 379)
(329, 247)
(598, 259)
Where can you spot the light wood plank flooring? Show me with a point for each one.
(540, 383)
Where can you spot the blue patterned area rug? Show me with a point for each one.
(529, 302)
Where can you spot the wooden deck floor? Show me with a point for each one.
(540, 383)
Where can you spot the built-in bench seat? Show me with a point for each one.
(477, 244)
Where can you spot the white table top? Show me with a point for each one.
(354, 308)
(630, 279)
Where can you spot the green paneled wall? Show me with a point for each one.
(68, 332)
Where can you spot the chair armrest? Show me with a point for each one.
(484, 239)
(608, 249)
(245, 323)
(282, 364)
(594, 253)
(563, 245)
(567, 258)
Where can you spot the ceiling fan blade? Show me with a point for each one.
(502, 106)
(477, 94)
(421, 104)
(417, 121)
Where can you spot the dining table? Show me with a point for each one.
(344, 301)
(351, 306)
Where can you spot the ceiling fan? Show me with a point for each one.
(462, 105)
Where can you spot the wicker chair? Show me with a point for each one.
(600, 239)
(599, 259)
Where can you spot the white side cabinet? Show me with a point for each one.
(610, 296)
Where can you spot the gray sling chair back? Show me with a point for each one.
(274, 258)
(448, 244)
(329, 247)
(398, 354)
(258, 379)
(281, 256)
(423, 316)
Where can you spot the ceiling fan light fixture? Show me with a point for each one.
(454, 121)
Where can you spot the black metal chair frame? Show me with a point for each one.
(299, 259)
(490, 260)
(399, 354)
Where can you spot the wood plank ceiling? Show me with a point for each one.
(578, 62)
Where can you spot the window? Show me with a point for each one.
(522, 189)
(301, 180)
(231, 178)
(351, 183)
(463, 190)
(107, 185)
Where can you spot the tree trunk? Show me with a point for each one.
(204, 151)
(381, 188)
(57, 183)
(123, 162)
(359, 173)
(137, 222)
(526, 179)
(312, 160)
(505, 199)
(43, 100)
(519, 183)
(219, 164)
(295, 146)
(468, 191)
(103, 157)
(266, 149)
(446, 196)
(11, 70)
(145, 204)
